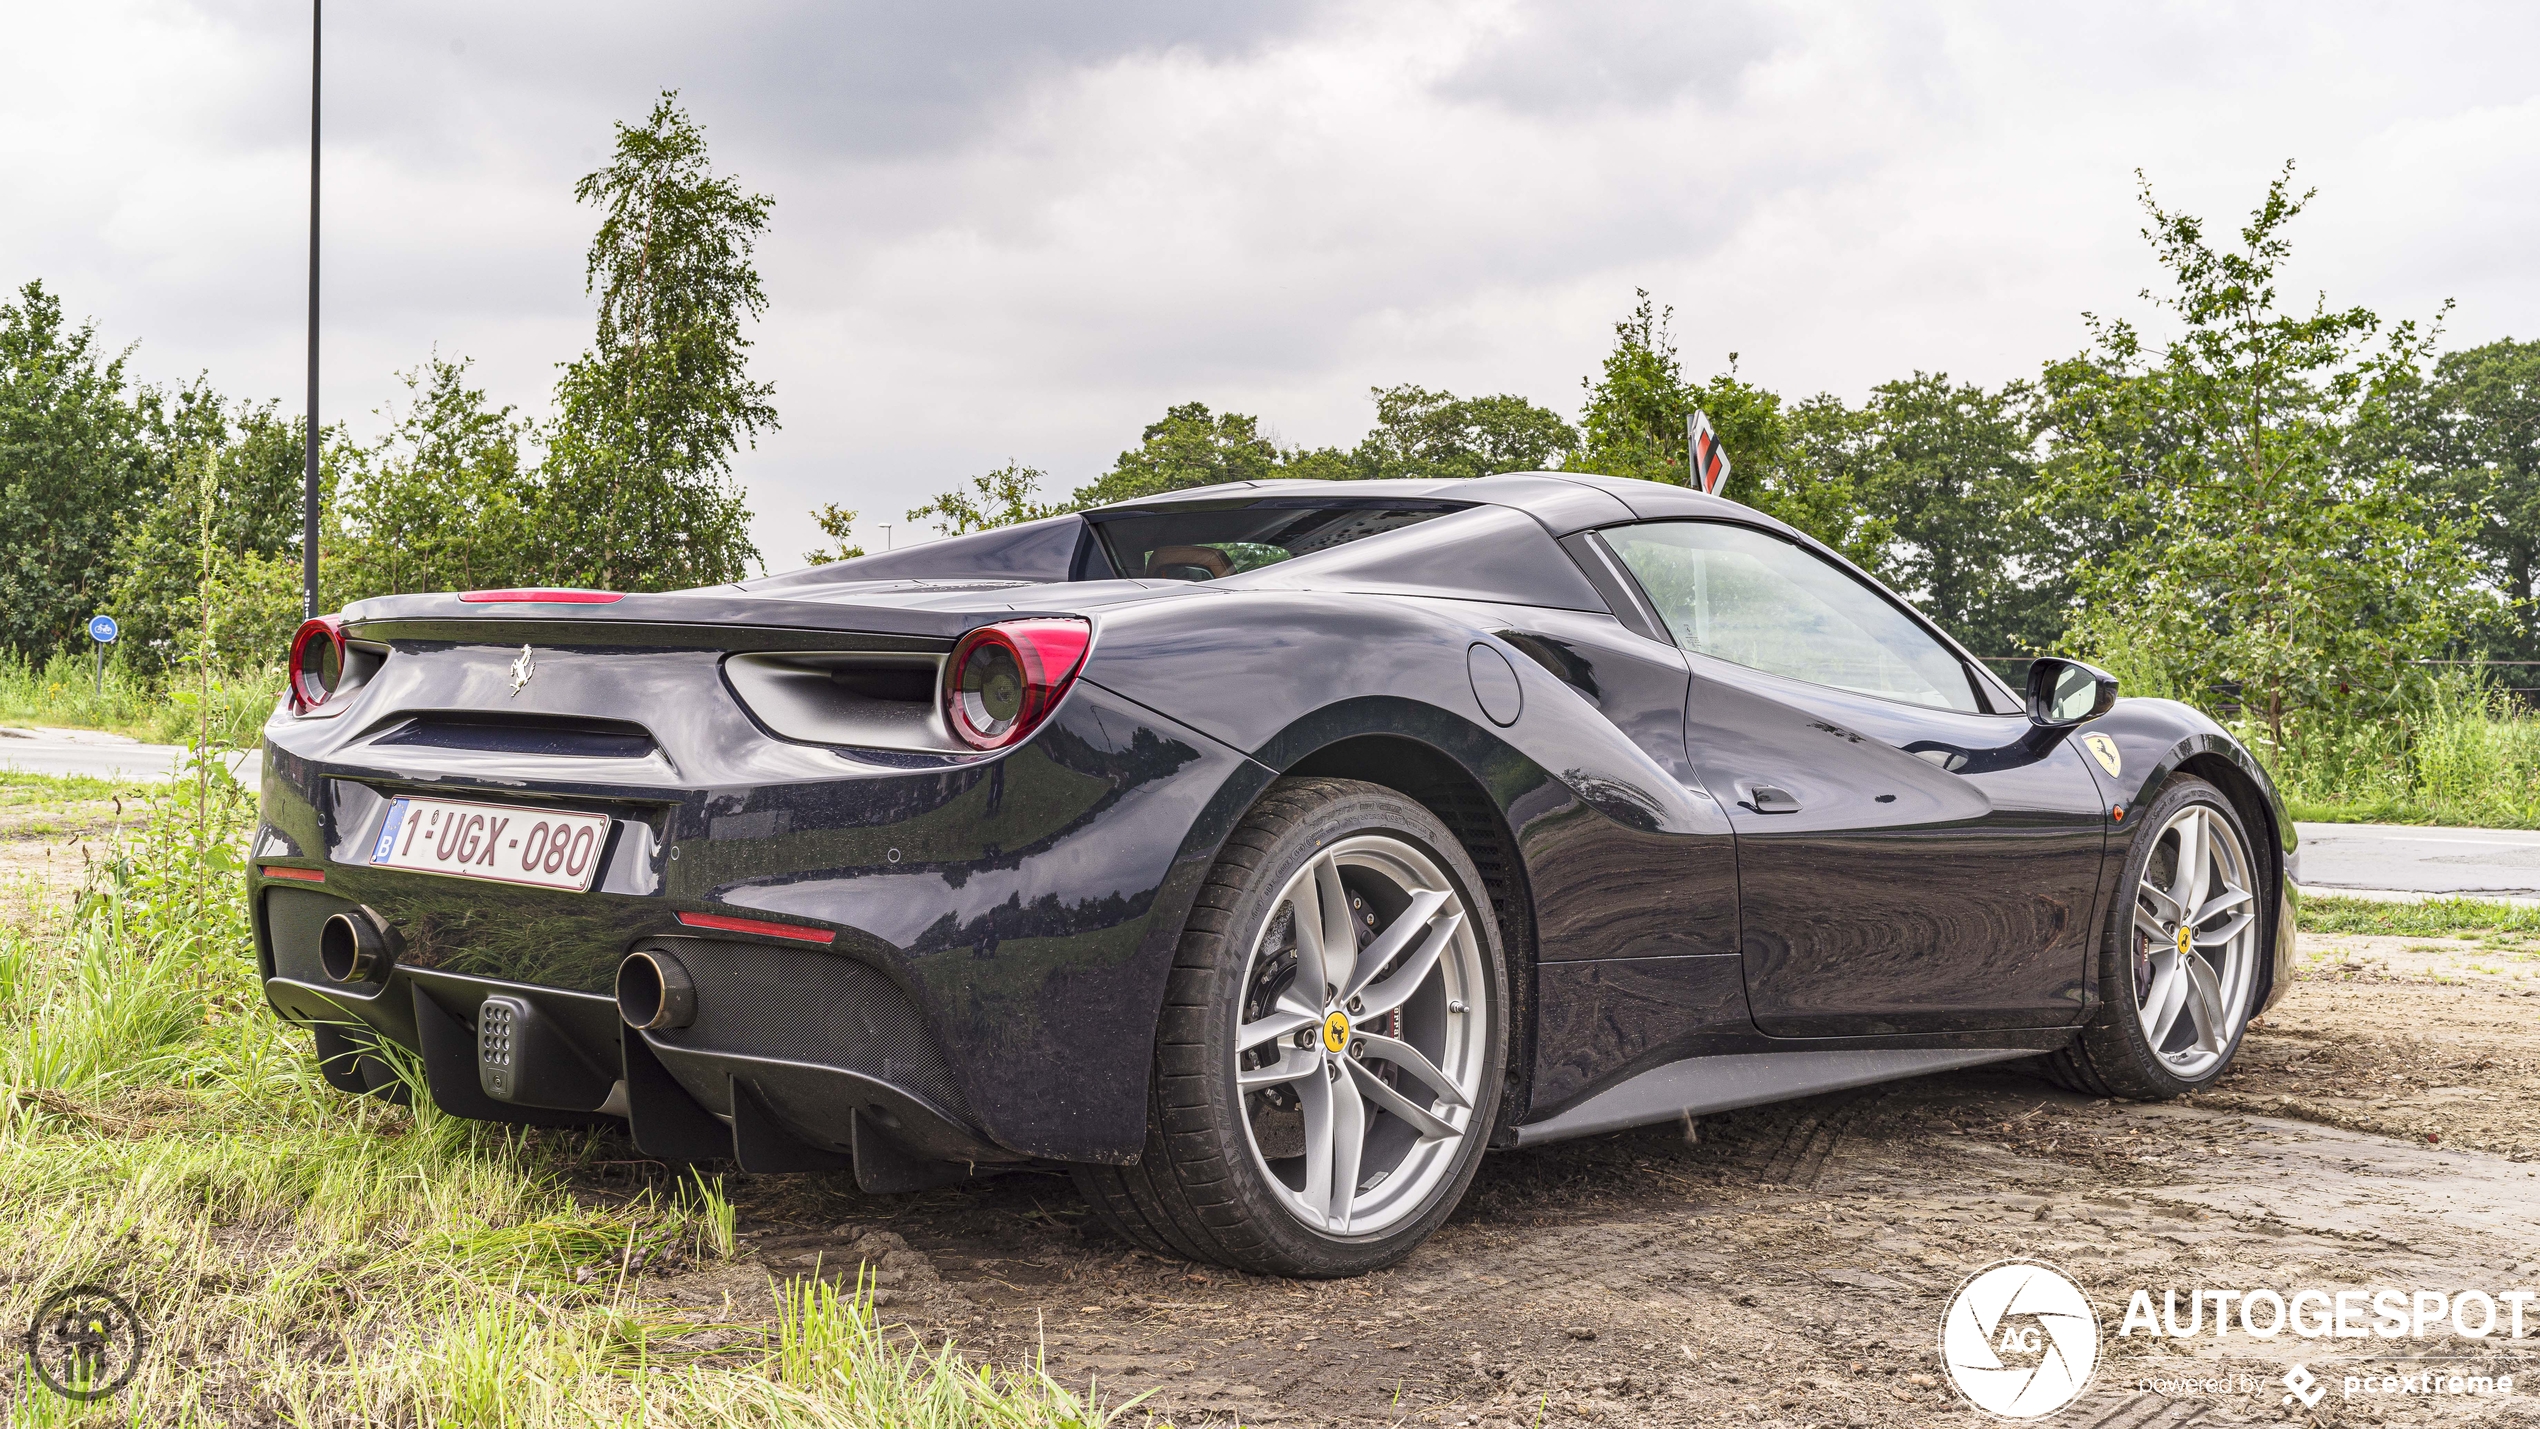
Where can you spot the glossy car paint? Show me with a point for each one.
(1025, 903)
(1939, 873)
(928, 874)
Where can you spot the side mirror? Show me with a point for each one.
(2065, 692)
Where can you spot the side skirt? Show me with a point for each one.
(1697, 1086)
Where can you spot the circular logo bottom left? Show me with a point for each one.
(85, 1342)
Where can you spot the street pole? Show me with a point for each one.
(309, 453)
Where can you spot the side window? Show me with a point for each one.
(1741, 595)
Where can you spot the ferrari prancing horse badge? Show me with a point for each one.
(2104, 749)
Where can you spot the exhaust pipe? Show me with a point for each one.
(653, 991)
(353, 947)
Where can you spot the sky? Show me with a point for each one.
(1018, 231)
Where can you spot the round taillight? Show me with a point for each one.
(1003, 680)
(317, 661)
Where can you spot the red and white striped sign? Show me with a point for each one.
(1710, 459)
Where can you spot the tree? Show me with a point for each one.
(1319, 464)
(838, 524)
(1951, 469)
(77, 453)
(2277, 569)
(444, 501)
(637, 491)
(2473, 434)
(1189, 446)
(1420, 433)
(1799, 464)
(249, 462)
(1001, 498)
(1806, 463)
(1634, 424)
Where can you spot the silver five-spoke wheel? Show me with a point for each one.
(2195, 940)
(1361, 1041)
(1332, 1051)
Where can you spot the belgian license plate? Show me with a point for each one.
(544, 848)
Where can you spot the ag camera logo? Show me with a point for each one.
(2019, 1339)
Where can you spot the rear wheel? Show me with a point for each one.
(2179, 966)
(1332, 1048)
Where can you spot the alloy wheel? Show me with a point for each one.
(2195, 940)
(1361, 1037)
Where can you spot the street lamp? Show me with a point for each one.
(309, 453)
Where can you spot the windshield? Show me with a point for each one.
(1204, 545)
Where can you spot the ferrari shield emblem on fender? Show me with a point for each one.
(2103, 749)
(524, 667)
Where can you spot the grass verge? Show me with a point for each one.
(166, 709)
(2393, 809)
(306, 1258)
(19, 788)
(2433, 918)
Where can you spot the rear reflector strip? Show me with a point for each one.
(541, 597)
(760, 926)
(296, 875)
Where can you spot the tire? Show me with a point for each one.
(1229, 1172)
(2118, 1053)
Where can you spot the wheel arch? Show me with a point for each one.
(2258, 816)
(1438, 782)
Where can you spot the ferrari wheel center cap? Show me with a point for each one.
(1336, 1032)
(2186, 939)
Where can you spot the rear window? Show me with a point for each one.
(1205, 545)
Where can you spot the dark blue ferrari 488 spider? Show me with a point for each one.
(1260, 853)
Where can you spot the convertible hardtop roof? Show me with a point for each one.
(1053, 548)
(1564, 501)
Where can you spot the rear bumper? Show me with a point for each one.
(872, 1095)
(992, 936)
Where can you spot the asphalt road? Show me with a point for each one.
(2416, 860)
(100, 755)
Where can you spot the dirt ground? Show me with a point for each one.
(47, 845)
(1788, 1265)
(1782, 1266)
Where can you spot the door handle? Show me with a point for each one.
(1765, 799)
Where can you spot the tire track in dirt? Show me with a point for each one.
(2151, 1411)
(1785, 1265)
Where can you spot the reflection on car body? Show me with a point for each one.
(1261, 853)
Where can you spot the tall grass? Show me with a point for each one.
(303, 1257)
(2464, 754)
(165, 708)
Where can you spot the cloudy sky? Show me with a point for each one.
(1019, 230)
